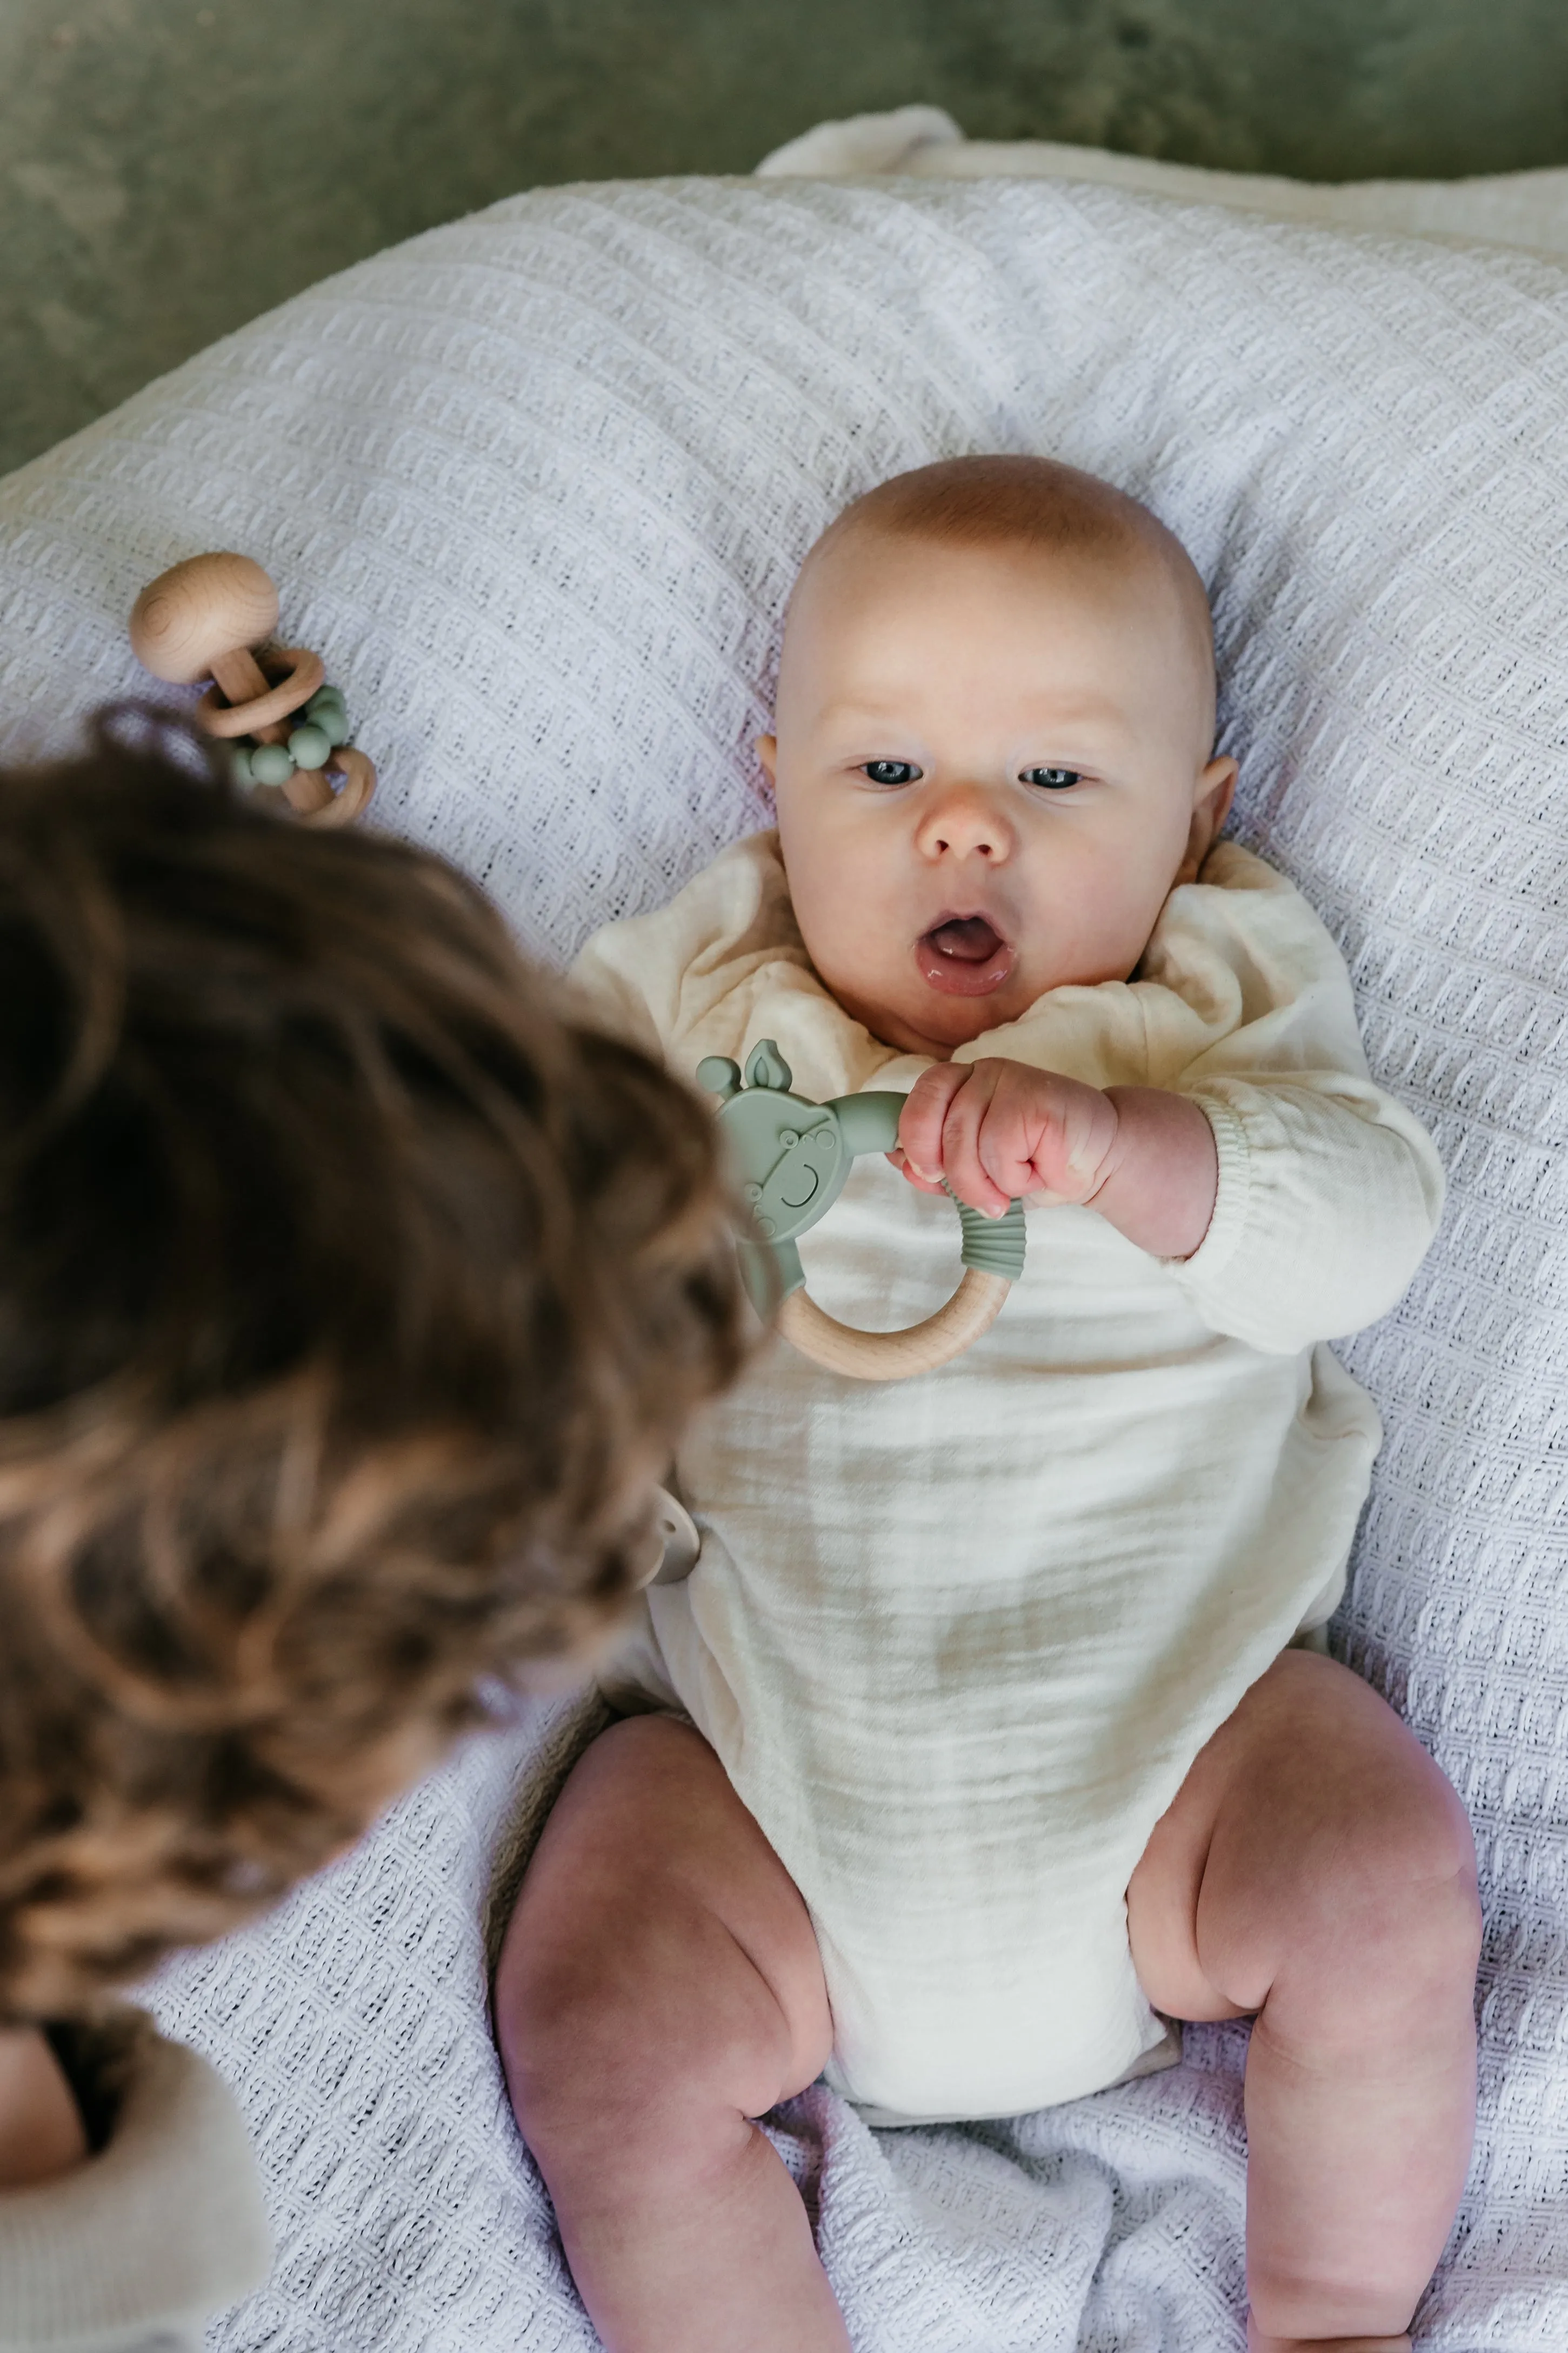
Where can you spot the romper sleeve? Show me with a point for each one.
(1330, 1190)
(607, 992)
(163, 2225)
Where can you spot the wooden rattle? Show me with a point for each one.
(792, 1157)
(213, 617)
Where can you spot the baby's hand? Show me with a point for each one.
(1144, 1158)
(996, 1130)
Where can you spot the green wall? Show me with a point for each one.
(167, 169)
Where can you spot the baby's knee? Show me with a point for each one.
(1390, 1928)
(1410, 1868)
(615, 2035)
(574, 2022)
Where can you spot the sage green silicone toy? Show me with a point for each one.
(791, 1157)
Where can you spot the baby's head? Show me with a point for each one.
(352, 1300)
(994, 750)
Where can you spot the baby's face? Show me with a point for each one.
(992, 765)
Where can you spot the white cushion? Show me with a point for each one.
(923, 143)
(536, 485)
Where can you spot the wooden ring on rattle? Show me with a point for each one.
(792, 1157)
(359, 783)
(226, 720)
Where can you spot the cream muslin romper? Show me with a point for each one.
(957, 1640)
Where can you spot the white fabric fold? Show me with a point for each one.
(1522, 208)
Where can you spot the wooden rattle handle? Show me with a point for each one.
(238, 676)
(894, 1356)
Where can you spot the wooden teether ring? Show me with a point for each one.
(213, 617)
(792, 1157)
(894, 1356)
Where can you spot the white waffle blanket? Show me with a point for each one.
(537, 484)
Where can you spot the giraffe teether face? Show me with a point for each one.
(789, 1155)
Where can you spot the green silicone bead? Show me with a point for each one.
(325, 710)
(309, 746)
(239, 764)
(271, 763)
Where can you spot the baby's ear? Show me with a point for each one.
(1211, 807)
(767, 748)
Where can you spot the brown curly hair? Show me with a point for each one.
(352, 1297)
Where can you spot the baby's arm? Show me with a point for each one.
(1144, 1158)
(41, 2130)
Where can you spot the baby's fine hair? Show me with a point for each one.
(351, 1296)
(989, 500)
(1011, 498)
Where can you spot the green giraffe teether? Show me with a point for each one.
(791, 1157)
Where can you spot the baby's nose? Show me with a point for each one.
(965, 823)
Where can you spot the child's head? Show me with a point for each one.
(993, 758)
(351, 1299)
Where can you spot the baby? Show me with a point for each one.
(991, 1731)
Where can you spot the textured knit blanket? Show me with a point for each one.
(537, 484)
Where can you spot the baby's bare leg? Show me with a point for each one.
(660, 1986)
(1317, 1868)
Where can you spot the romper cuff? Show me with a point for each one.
(1232, 1191)
(133, 2249)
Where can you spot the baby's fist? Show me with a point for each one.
(997, 1130)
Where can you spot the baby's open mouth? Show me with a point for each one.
(963, 956)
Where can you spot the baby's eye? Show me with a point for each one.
(890, 772)
(1050, 780)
